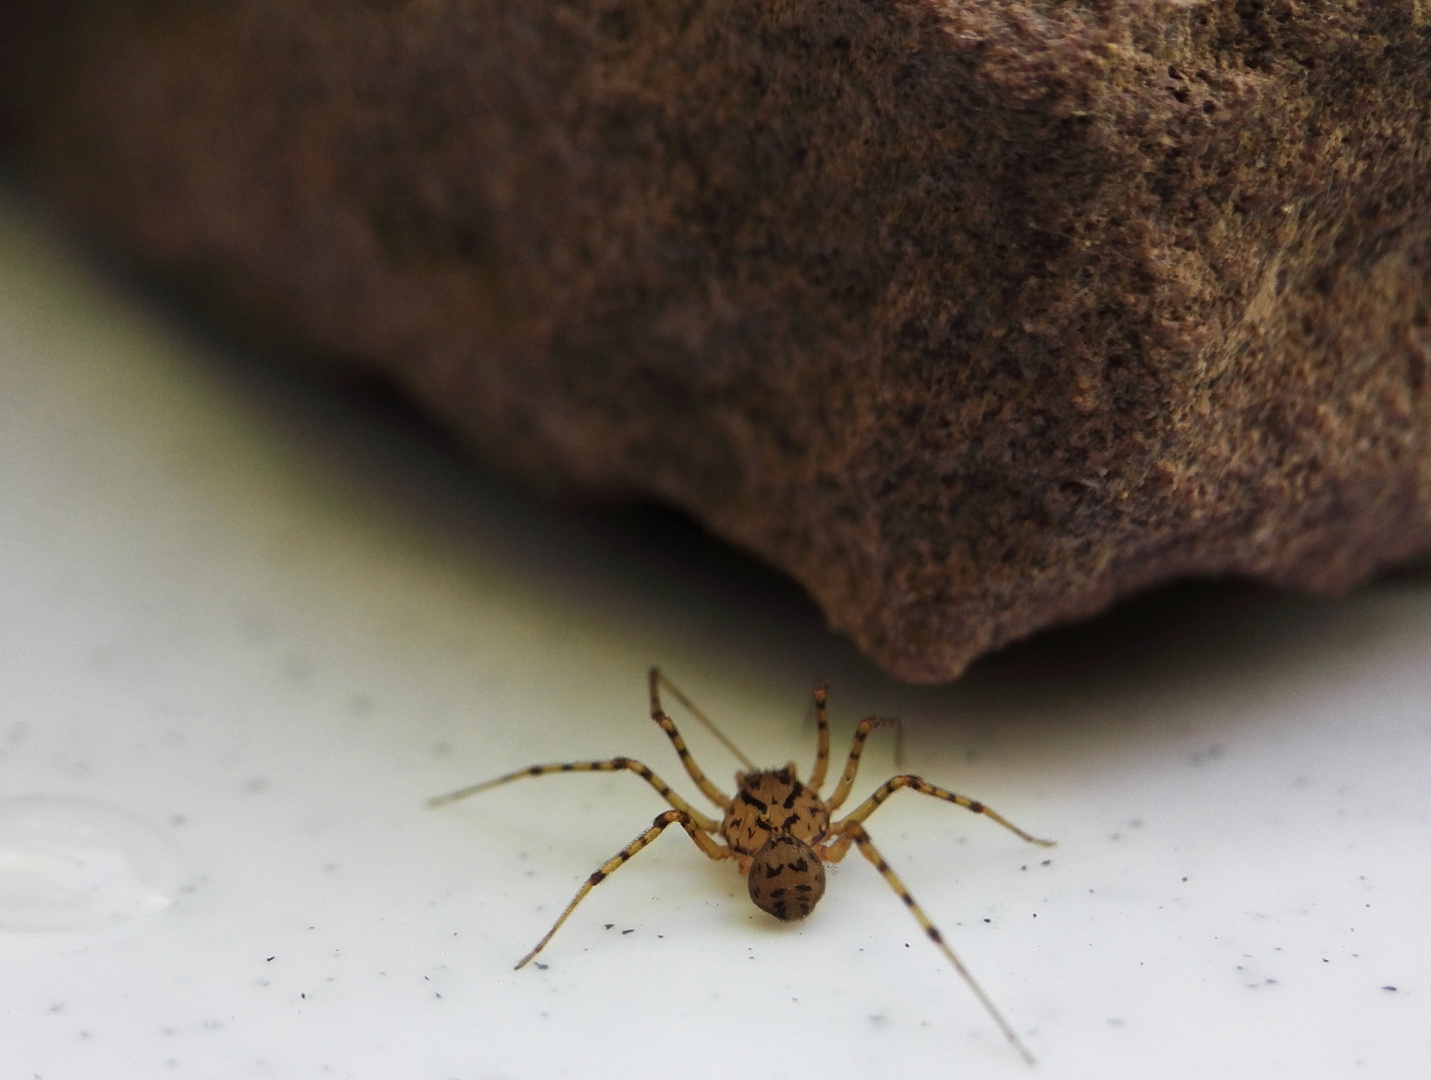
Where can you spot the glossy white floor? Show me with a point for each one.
(246, 628)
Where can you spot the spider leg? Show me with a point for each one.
(855, 831)
(613, 765)
(822, 739)
(924, 787)
(705, 720)
(852, 763)
(834, 850)
(670, 817)
(668, 725)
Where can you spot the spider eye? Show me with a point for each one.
(786, 878)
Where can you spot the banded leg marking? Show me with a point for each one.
(668, 725)
(705, 720)
(924, 787)
(856, 832)
(670, 817)
(822, 739)
(615, 764)
(852, 763)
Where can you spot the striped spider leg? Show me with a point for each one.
(850, 830)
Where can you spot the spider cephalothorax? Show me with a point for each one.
(779, 830)
(773, 802)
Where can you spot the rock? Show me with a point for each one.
(973, 317)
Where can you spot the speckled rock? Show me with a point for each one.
(971, 316)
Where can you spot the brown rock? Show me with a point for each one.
(971, 316)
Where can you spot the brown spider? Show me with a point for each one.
(778, 829)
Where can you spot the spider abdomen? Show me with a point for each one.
(786, 878)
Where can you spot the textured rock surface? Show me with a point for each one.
(971, 316)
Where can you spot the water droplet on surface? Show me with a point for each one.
(71, 864)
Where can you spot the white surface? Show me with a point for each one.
(267, 625)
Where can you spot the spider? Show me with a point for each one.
(777, 828)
